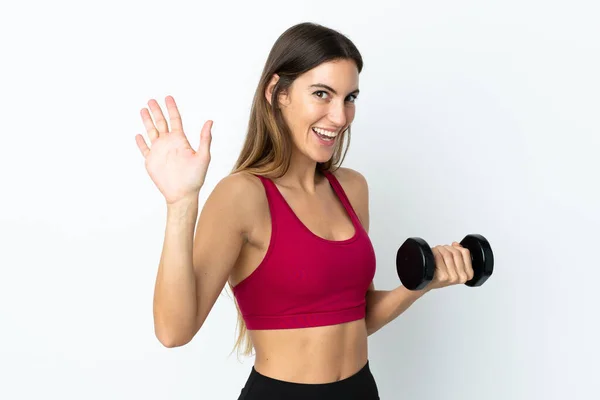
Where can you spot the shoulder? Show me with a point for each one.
(240, 195)
(356, 188)
(235, 187)
(239, 183)
(351, 178)
(244, 188)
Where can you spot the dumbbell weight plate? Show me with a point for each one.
(482, 258)
(415, 263)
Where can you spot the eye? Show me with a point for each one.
(351, 99)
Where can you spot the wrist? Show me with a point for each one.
(185, 200)
(414, 294)
(183, 207)
(422, 292)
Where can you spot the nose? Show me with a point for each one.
(337, 114)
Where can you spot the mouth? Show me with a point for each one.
(325, 136)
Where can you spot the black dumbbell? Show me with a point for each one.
(415, 263)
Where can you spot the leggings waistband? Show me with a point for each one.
(361, 385)
(365, 370)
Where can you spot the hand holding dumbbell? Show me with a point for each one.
(471, 262)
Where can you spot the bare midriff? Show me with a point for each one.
(311, 355)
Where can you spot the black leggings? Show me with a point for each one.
(361, 386)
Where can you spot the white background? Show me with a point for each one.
(474, 117)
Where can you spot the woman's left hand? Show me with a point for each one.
(452, 266)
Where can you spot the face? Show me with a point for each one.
(319, 107)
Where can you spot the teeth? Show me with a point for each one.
(325, 133)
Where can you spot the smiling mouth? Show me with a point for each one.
(324, 134)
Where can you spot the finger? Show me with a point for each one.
(441, 270)
(205, 138)
(174, 116)
(466, 253)
(149, 125)
(466, 256)
(159, 118)
(449, 262)
(141, 143)
(459, 263)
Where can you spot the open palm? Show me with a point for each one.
(176, 169)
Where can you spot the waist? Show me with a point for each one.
(360, 385)
(356, 373)
(311, 355)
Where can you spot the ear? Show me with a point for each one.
(271, 87)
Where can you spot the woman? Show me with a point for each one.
(287, 229)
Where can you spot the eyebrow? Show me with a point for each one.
(332, 90)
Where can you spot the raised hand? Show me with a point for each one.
(176, 169)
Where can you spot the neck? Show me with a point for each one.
(302, 175)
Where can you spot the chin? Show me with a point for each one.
(322, 158)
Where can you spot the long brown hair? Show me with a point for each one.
(267, 148)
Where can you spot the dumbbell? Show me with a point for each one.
(415, 263)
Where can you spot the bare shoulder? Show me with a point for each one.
(352, 178)
(241, 194)
(239, 183)
(356, 188)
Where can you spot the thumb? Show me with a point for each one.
(205, 137)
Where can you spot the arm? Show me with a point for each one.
(383, 306)
(193, 270)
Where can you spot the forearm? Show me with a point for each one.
(383, 306)
(175, 303)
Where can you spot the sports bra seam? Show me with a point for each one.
(307, 313)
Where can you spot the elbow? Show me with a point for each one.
(370, 328)
(174, 331)
(172, 344)
(371, 331)
(171, 341)
(170, 338)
